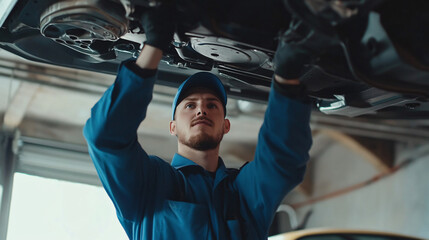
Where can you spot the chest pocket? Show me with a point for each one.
(181, 220)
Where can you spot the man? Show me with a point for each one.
(197, 197)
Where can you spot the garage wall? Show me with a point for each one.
(397, 203)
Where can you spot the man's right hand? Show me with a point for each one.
(158, 24)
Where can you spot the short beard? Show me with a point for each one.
(202, 142)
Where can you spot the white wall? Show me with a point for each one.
(398, 203)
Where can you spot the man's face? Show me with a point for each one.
(199, 121)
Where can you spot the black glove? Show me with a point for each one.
(158, 25)
(298, 46)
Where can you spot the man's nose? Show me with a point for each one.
(201, 111)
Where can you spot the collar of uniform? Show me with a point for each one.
(220, 172)
(180, 161)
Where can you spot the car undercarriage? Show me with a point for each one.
(378, 69)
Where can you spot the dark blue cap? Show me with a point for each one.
(201, 79)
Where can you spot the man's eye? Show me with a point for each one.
(212, 105)
(189, 105)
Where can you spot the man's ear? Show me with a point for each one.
(227, 126)
(173, 128)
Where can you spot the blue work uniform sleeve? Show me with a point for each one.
(133, 180)
(279, 163)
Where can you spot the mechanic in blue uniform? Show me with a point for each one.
(197, 197)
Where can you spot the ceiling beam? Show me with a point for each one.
(379, 153)
(17, 108)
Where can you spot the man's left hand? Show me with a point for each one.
(298, 46)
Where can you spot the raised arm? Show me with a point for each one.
(280, 158)
(129, 175)
(285, 136)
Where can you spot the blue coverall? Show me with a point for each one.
(157, 201)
